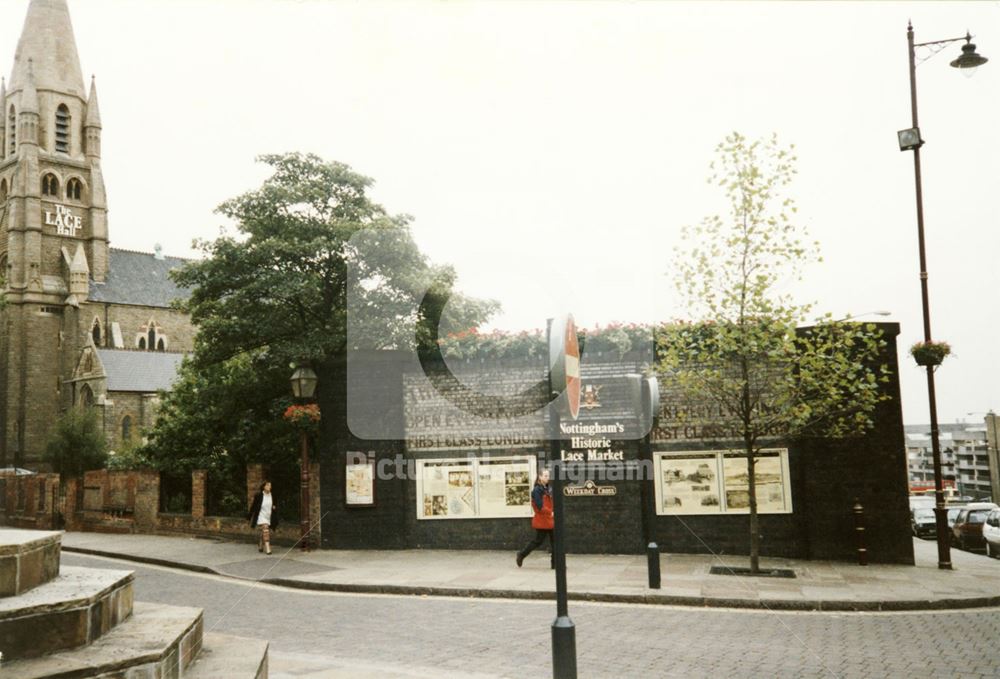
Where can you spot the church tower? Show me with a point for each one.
(53, 224)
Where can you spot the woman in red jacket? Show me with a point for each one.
(542, 521)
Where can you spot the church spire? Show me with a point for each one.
(93, 110)
(29, 93)
(47, 41)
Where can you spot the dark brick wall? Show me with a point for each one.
(825, 477)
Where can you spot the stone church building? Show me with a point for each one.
(84, 324)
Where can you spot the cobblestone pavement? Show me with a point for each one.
(322, 634)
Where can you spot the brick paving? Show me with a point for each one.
(340, 636)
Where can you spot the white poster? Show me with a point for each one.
(716, 481)
(472, 488)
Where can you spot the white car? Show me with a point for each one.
(991, 534)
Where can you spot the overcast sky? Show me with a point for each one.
(552, 151)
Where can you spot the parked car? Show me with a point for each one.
(923, 523)
(953, 512)
(967, 532)
(991, 534)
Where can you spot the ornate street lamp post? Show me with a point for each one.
(910, 140)
(303, 387)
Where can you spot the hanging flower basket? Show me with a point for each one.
(930, 353)
(305, 418)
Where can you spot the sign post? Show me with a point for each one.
(564, 378)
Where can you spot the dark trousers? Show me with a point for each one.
(540, 536)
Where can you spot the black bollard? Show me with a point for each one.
(653, 565)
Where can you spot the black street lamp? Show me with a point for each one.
(910, 140)
(303, 387)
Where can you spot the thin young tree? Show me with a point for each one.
(746, 351)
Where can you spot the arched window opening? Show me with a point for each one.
(142, 342)
(12, 130)
(62, 129)
(95, 332)
(87, 396)
(152, 338)
(127, 429)
(3, 190)
(74, 189)
(50, 185)
(160, 346)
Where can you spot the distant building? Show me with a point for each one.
(965, 458)
(85, 325)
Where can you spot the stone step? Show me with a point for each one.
(76, 608)
(227, 657)
(28, 558)
(157, 641)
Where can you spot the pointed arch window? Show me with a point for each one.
(151, 344)
(74, 189)
(127, 429)
(142, 342)
(62, 129)
(95, 332)
(3, 190)
(12, 130)
(50, 185)
(87, 396)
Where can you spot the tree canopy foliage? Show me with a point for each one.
(77, 443)
(274, 293)
(749, 351)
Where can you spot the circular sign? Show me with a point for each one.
(564, 362)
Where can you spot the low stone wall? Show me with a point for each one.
(104, 501)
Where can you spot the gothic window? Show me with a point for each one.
(50, 185)
(3, 190)
(142, 342)
(126, 428)
(87, 396)
(12, 130)
(74, 189)
(95, 332)
(152, 339)
(160, 346)
(62, 129)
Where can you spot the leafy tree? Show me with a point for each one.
(746, 353)
(274, 294)
(77, 443)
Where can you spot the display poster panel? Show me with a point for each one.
(690, 484)
(716, 481)
(470, 488)
(360, 485)
(769, 473)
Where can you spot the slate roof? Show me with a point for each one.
(143, 371)
(138, 278)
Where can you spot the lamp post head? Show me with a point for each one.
(909, 139)
(304, 383)
(969, 61)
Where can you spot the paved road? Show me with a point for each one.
(319, 634)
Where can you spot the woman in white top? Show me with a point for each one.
(264, 515)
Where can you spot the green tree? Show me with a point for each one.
(746, 353)
(274, 293)
(77, 443)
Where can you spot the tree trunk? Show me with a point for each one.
(754, 522)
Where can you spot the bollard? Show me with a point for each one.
(653, 565)
(859, 531)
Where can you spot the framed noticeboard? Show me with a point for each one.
(359, 482)
(716, 482)
(470, 488)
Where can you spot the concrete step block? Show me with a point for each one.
(76, 608)
(157, 642)
(28, 558)
(227, 657)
